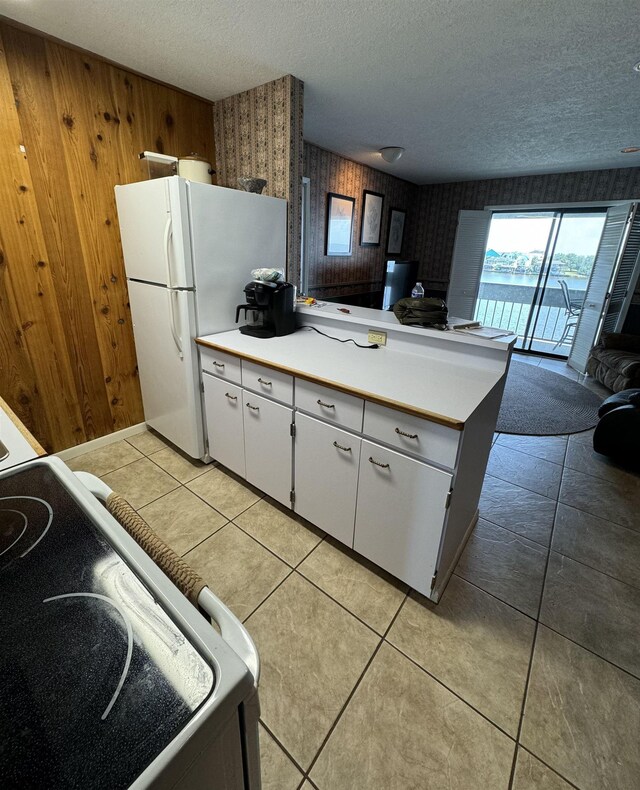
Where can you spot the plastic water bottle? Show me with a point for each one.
(418, 291)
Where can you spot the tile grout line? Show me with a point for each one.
(355, 688)
(553, 770)
(535, 635)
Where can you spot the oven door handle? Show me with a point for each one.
(232, 630)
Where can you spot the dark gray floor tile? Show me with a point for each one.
(618, 502)
(594, 610)
(525, 471)
(517, 509)
(550, 448)
(603, 545)
(505, 565)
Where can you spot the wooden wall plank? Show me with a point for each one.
(67, 358)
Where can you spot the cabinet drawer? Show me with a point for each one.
(266, 381)
(412, 434)
(330, 405)
(220, 364)
(223, 415)
(326, 460)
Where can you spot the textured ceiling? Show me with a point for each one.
(471, 88)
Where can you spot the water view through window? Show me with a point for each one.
(536, 270)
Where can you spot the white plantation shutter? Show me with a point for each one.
(466, 264)
(596, 296)
(626, 277)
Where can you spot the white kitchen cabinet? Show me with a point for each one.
(268, 445)
(224, 420)
(326, 476)
(400, 514)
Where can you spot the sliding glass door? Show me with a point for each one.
(536, 268)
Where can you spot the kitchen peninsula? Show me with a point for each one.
(383, 448)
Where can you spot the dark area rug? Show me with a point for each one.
(538, 402)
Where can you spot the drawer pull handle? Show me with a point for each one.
(408, 435)
(219, 364)
(231, 397)
(326, 405)
(342, 447)
(266, 383)
(253, 408)
(377, 463)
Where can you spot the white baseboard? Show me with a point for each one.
(101, 441)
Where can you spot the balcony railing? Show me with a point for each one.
(508, 307)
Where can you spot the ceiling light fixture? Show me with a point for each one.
(632, 149)
(391, 153)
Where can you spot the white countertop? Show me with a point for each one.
(442, 391)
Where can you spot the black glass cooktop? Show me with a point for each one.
(96, 678)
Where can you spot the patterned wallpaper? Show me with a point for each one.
(259, 133)
(362, 272)
(440, 203)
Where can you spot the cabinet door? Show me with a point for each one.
(400, 514)
(223, 413)
(268, 445)
(326, 476)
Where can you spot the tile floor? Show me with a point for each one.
(526, 675)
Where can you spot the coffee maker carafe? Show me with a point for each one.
(269, 309)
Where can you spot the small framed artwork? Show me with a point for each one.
(396, 231)
(339, 224)
(371, 223)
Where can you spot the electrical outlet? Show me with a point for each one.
(377, 337)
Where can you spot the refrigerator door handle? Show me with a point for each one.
(172, 321)
(168, 228)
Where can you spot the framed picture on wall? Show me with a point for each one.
(371, 223)
(396, 231)
(339, 224)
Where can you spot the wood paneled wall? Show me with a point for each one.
(71, 127)
(363, 271)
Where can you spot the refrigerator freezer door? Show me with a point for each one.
(232, 232)
(168, 364)
(153, 220)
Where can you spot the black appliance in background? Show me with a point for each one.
(270, 307)
(399, 279)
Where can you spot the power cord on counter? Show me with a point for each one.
(348, 340)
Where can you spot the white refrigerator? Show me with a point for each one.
(189, 249)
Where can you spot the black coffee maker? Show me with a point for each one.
(269, 308)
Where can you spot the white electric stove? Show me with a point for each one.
(110, 677)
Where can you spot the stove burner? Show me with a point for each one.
(7, 532)
(9, 528)
(129, 638)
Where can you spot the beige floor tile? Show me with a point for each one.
(594, 610)
(140, 482)
(182, 519)
(368, 592)
(582, 716)
(312, 653)
(551, 448)
(601, 544)
(279, 530)
(148, 442)
(239, 571)
(618, 502)
(531, 774)
(404, 731)
(582, 457)
(560, 367)
(278, 772)
(226, 493)
(180, 466)
(105, 459)
(517, 509)
(476, 645)
(505, 565)
(527, 471)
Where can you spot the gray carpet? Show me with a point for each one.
(538, 402)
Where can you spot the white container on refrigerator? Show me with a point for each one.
(189, 249)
